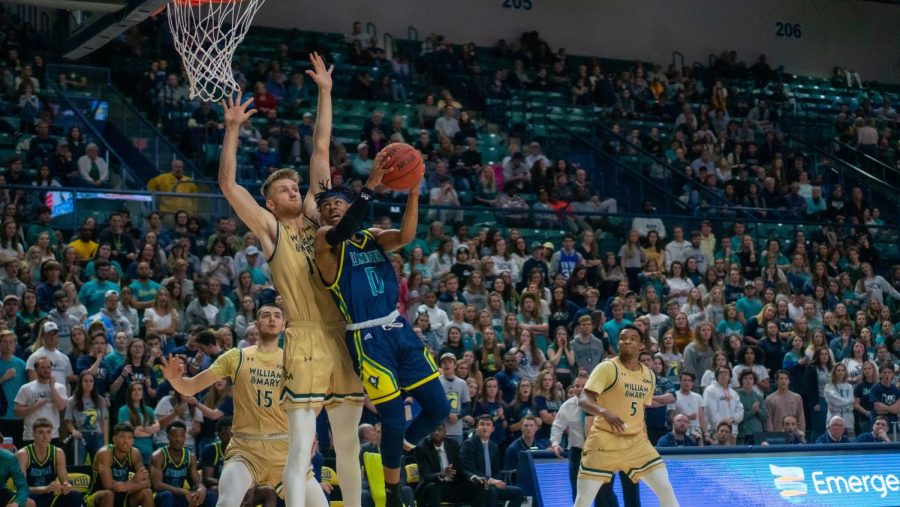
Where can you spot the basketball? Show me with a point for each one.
(407, 165)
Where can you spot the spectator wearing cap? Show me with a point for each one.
(457, 392)
(463, 268)
(257, 275)
(51, 273)
(516, 173)
(111, 318)
(46, 346)
(62, 165)
(749, 305)
(535, 154)
(647, 223)
(93, 293)
(174, 181)
(11, 306)
(92, 168)
(536, 261)
(361, 165)
(12, 377)
(10, 285)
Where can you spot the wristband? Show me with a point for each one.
(366, 194)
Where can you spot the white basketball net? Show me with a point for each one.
(207, 32)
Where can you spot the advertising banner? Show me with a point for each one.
(849, 475)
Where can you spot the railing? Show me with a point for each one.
(389, 45)
(77, 109)
(881, 193)
(675, 56)
(707, 200)
(868, 163)
(151, 144)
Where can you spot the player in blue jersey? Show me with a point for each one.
(387, 355)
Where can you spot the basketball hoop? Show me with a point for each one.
(206, 33)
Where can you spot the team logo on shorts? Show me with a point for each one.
(374, 381)
(789, 482)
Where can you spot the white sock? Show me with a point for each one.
(315, 497)
(587, 490)
(344, 421)
(302, 430)
(658, 481)
(233, 485)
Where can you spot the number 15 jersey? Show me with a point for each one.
(366, 285)
(256, 385)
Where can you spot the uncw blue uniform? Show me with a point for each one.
(39, 474)
(176, 473)
(386, 353)
(120, 470)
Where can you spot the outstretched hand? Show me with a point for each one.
(172, 367)
(319, 73)
(236, 112)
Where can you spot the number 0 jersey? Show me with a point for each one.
(624, 392)
(366, 286)
(256, 386)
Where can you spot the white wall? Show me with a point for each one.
(856, 34)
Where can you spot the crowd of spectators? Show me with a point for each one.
(795, 342)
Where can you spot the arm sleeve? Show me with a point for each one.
(351, 220)
(12, 464)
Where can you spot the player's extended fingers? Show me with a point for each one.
(246, 103)
(330, 69)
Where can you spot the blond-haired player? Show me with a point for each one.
(258, 448)
(615, 394)
(317, 367)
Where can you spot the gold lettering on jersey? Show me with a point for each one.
(633, 390)
(264, 377)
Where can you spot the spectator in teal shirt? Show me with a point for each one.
(749, 305)
(612, 327)
(142, 417)
(9, 469)
(12, 376)
(93, 294)
(143, 290)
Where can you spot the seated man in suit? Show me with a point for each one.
(481, 456)
(442, 476)
(527, 442)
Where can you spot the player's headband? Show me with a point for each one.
(339, 191)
